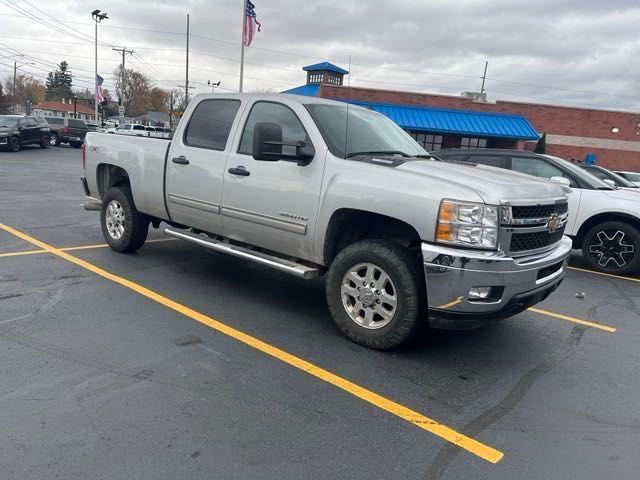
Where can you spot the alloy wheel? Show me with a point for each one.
(369, 296)
(612, 248)
(114, 219)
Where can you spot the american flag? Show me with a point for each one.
(250, 23)
(99, 92)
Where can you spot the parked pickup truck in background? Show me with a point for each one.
(314, 187)
(604, 221)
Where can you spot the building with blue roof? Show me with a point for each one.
(609, 138)
(433, 127)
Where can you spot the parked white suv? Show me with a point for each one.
(604, 221)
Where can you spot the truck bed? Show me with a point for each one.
(142, 157)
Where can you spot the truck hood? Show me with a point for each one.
(492, 184)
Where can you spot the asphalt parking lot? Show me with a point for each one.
(179, 363)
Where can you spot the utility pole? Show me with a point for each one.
(186, 77)
(15, 68)
(97, 17)
(484, 76)
(124, 51)
(213, 85)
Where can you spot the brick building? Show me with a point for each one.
(471, 121)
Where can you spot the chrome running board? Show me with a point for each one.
(284, 265)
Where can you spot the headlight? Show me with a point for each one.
(468, 224)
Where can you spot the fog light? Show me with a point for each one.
(479, 293)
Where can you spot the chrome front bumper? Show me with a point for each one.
(517, 283)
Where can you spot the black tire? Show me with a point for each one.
(54, 140)
(401, 268)
(14, 144)
(44, 142)
(75, 144)
(612, 247)
(135, 224)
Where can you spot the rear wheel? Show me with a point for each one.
(45, 141)
(75, 144)
(374, 293)
(14, 144)
(612, 247)
(123, 227)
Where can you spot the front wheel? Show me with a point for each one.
(374, 293)
(123, 227)
(612, 247)
(14, 144)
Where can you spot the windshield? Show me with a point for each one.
(366, 132)
(588, 180)
(604, 174)
(7, 121)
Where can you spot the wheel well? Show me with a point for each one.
(111, 176)
(348, 226)
(601, 218)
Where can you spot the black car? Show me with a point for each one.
(18, 130)
(67, 130)
(604, 174)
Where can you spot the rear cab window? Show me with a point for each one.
(210, 123)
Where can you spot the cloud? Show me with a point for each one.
(557, 51)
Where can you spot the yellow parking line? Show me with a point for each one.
(18, 254)
(467, 443)
(572, 319)
(80, 247)
(630, 279)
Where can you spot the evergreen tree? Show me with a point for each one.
(59, 83)
(541, 146)
(50, 94)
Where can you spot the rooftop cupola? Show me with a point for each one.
(324, 72)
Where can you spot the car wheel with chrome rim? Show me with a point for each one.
(375, 294)
(123, 227)
(612, 247)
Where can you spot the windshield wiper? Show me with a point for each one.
(378, 152)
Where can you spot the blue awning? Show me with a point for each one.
(460, 122)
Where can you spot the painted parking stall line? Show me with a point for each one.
(421, 421)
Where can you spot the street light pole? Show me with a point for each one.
(97, 18)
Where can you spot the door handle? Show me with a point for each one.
(182, 160)
(240, 170)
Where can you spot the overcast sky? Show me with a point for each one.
(578, 52)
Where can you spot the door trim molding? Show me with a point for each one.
(194, 203)
(266, 220)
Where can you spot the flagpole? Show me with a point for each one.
(244, 28)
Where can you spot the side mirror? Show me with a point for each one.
(609, 182)
(268, 145)
(561, 180)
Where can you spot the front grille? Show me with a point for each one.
(538, 211)
(521, 242)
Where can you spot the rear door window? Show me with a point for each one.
(210, 124)
(77, 123)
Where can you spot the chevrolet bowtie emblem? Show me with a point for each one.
(553, 223)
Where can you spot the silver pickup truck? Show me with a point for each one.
(314, 187)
